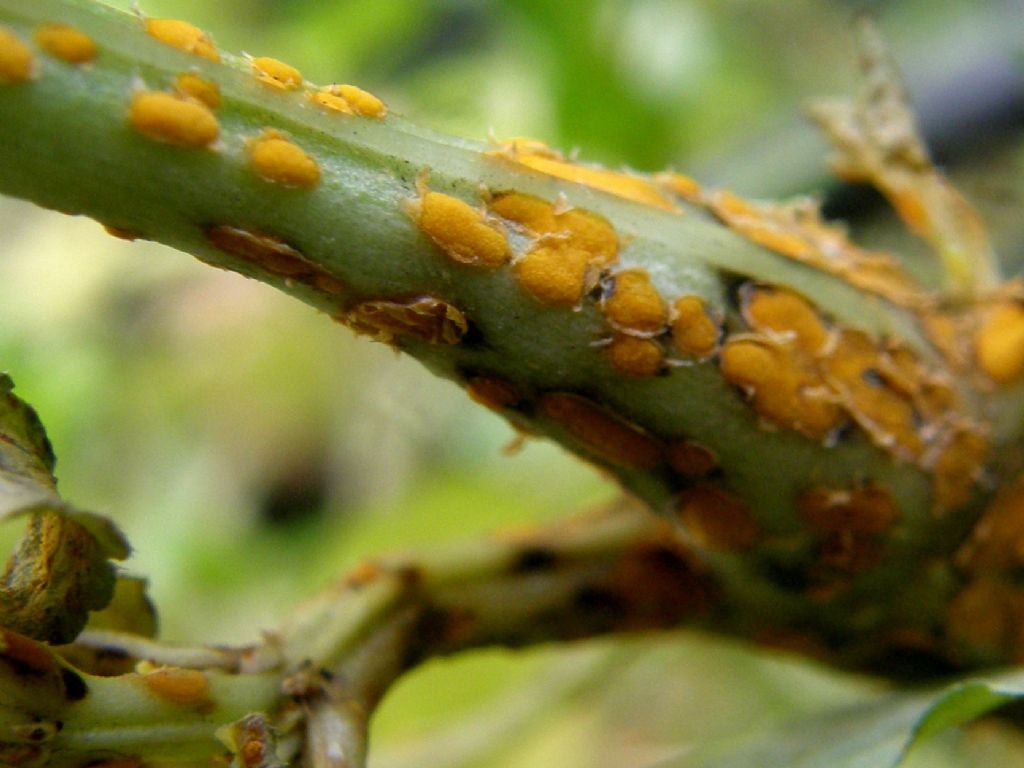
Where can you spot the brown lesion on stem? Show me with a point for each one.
(620, 570)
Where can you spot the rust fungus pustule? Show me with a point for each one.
(463, 232)
(64, 42)
(191, 85)
(716, 519)
(327, 98)
(183, 36)
(691, 459)
(853, 371)
(784, 316)
(170, 119)
(694, 333)
(633, 305)
(363, 103)
(777, 366)
(557, 224)
(554, 273)
(784, 390)
(996, 543)
(681, 185)
(957, 463)
(533, 214)
(984, 620)
(492, 392)
(422, 318)
(999, 343)
(349, 100)
(539, 157)
(635, 357)
(606, 435)
(279, 160)
(797, 231)
(570, 249)
(276, 74)
(273, 255)
(849, 524)
(16, 61)
(184, 687)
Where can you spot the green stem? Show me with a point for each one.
(65, 142)
(841, 533)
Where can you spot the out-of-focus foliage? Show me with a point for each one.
(253, 450)
(61, 569)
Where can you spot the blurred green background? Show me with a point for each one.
(253, 450)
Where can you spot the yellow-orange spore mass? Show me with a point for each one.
(279, 160)
(634, 357)
(461, 231)
(572, 227)
(691, 459)
(999, 343)
(622, 185)
(717, 520)
(633, 305)
(328, 99)
(535, 215)
(606, 435)
(753, 224)
(276, 73)
(66, 43)
(784, 391)
(590, 232)
(681, 185)
(423, 318)
(797, 231)
(785, 316)
(183, 36)
(362, 103)
(852, 370)
(694, 333)
(554, 273)
(16, 62)
(492, 392)
(184, 687)
(170, 119)
(957, 467)
(199, 88)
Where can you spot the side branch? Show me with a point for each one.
(317, 680)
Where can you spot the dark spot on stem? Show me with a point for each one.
(601, 608)
(473, 338)
(534, 559)
(410, 575)
(789, 577)
(75, 688)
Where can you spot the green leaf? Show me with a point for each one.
(130, 610)
(61, 569)
(879, 733)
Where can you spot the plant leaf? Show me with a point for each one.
(130, 610)
(61, 568)
(879, 733)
